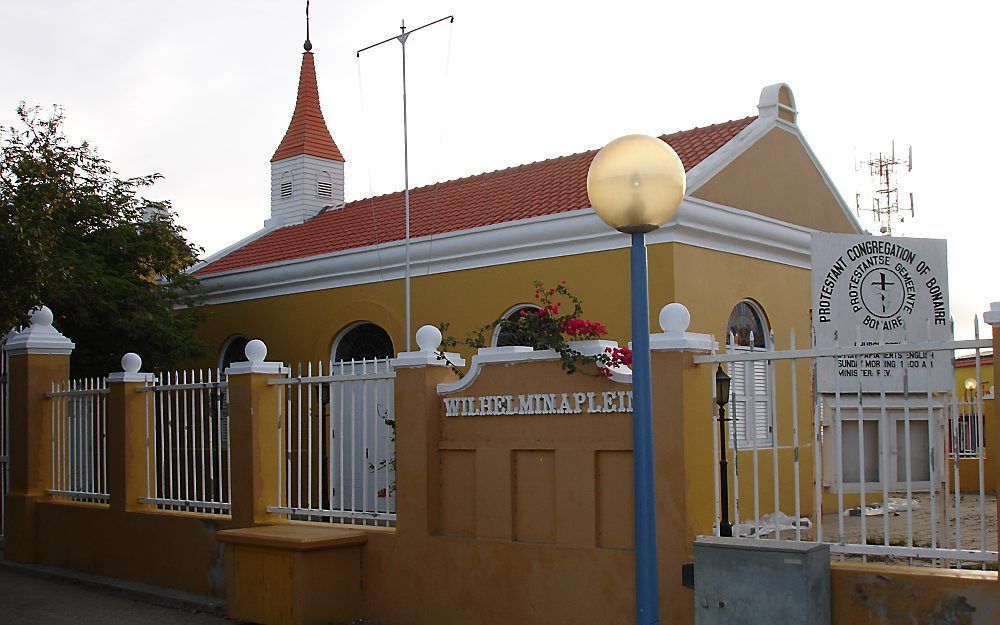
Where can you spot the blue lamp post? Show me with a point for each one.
(636, 184)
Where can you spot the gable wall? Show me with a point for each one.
(775, 177)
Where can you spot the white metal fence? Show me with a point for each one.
(336, 440)
(187, 442)
(79, 442)
(886, 480)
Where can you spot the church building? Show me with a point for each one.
(324, 278)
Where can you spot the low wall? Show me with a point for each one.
(439, 580)
(173, 549)
(902, 595)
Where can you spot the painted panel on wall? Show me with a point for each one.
(534, 496)
(458, 492)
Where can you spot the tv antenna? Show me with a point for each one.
(401, 38)
(883, 170)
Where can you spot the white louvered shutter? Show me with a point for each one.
(750, 406)
(738, 405)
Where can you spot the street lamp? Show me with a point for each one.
(970, 388)
(722, 382)
(636, 184)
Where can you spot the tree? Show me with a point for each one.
(79, 239)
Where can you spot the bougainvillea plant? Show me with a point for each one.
(557, 320)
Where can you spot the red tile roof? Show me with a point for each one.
(543, 188)
(307, 132)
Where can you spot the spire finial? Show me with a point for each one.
(308, 44)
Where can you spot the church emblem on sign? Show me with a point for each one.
(870, 290)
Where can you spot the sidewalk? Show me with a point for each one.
(29, 598)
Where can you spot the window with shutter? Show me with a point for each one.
(324, 184)
(751, 408)
(286, 184)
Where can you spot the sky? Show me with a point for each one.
(202, 92)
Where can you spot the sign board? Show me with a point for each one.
(867, 290)
(584, 402)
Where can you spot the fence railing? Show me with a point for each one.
(336, 437)
(968, 429)
(187, 442)
(79, 441)
(885, 481)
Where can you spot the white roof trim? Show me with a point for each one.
(724, 156)
(729, 152)
(699, 223)
(211, 258)
(851, 218)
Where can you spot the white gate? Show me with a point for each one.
(886, 480)
(336, 438)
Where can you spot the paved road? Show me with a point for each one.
(30, 600)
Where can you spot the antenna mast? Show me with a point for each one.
(401, 38)
(885, 208)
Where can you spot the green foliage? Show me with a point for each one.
(76, 237)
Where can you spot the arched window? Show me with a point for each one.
(751, 407)
(362, 340)
(233, 350)
(286, 184)
(505, 336)
(324, 184)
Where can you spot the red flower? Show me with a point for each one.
(577, 328)
(619, 356)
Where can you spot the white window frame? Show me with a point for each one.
(763, 394)
(507, 315)
(344, 332)
(750, 402)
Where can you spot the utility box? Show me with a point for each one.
(749, 582)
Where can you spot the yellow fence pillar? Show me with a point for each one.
(417, 408)
(681, 401)
(38, 357)
(254, 419)
(131, 469)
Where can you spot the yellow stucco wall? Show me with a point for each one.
(775, 177)
(969, 467)
(782, 292)
(303, 326)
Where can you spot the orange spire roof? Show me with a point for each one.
(307, 133)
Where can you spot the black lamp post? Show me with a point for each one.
(722, 382)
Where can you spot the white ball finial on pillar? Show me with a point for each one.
(131, 363)
(256, 351)
(675, 318)
(40, 316)
(428, 338)
(40, 337)
(428, 354)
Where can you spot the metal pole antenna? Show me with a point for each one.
(401, 38)
(406, 184)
